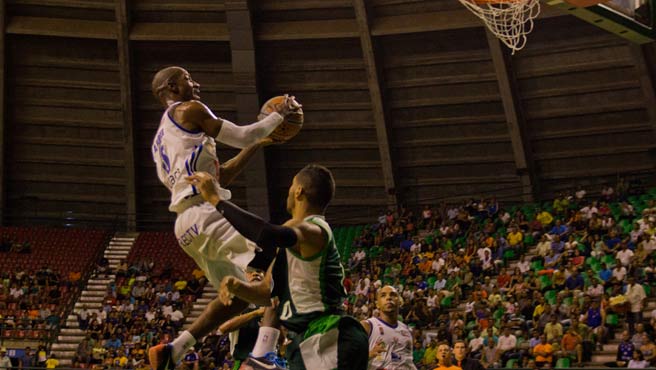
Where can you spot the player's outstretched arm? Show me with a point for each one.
(196, 114)
(230, 169)
(251, 226)
(256, 292)
(240, 321)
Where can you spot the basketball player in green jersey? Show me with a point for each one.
(307, 275)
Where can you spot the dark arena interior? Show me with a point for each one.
(493, 165)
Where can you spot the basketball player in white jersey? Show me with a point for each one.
(390, 340)
(184, 144)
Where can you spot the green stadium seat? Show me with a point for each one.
(563, 363)
(510, 363)
(567, 301)
(536, 265)
(446, 301)
(545, 281)
(509, 254)
(549, 295)
(612, 319)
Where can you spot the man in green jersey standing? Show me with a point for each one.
(306, 276)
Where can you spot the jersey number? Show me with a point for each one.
(286, 311)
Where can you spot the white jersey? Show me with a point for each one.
(178, 153)
(398, 346)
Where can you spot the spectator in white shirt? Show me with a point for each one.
(544, 246)
(636, 296)
(362, 289)
(635, 233)
(580, 194)
(619, 272)
(524, 265)
(506, 345)
(481, 252)
(588, 211)
(476, 344)
(595, 290)
(438, 263)
(624, 255)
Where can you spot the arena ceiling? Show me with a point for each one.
(407, 101)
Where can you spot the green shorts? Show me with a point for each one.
(330, 342)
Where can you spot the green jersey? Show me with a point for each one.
(308, 287)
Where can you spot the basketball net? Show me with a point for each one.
(509, 20)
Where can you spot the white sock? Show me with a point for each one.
(267, 339)
(181, 344)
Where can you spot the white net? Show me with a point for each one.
(509, 20)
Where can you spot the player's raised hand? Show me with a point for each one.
(225, 290)
(207, 185)
(288, 106)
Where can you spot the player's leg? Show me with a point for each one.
(166, 356)
(219, 251)
(353, 345)
(269, 333)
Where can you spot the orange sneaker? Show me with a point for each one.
(161, 357)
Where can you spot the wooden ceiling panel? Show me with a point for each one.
(383, 8)
(94, 10)
(65, 123)
(588, 122)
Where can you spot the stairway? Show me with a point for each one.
(91, 298)
(209, 293)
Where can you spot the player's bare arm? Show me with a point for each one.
(303, 237)
(256, 292)
(232, 168)
(240, 321)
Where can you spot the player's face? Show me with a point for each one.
(255, 276)
(188, 88)
(459, 350)
(388, 300)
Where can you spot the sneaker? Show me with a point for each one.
(161, 357)
(270, 361)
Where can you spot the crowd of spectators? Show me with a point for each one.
(535, 285)
(530, 285)
(144, 306)
(32, 302)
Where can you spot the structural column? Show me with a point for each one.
(381, 118)
(517, 127)
(3, 80)
(244, 69)
(127, 107)
(644, 56)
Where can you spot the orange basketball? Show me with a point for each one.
(292, 124)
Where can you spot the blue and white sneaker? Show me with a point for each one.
(269, 361)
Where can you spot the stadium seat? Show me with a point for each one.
(612, 320)
(563, 363)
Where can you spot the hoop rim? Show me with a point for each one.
(495, 2)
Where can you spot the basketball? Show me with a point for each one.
(292, 124)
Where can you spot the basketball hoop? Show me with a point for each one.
(509, 20)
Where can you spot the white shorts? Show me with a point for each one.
(216, 246)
